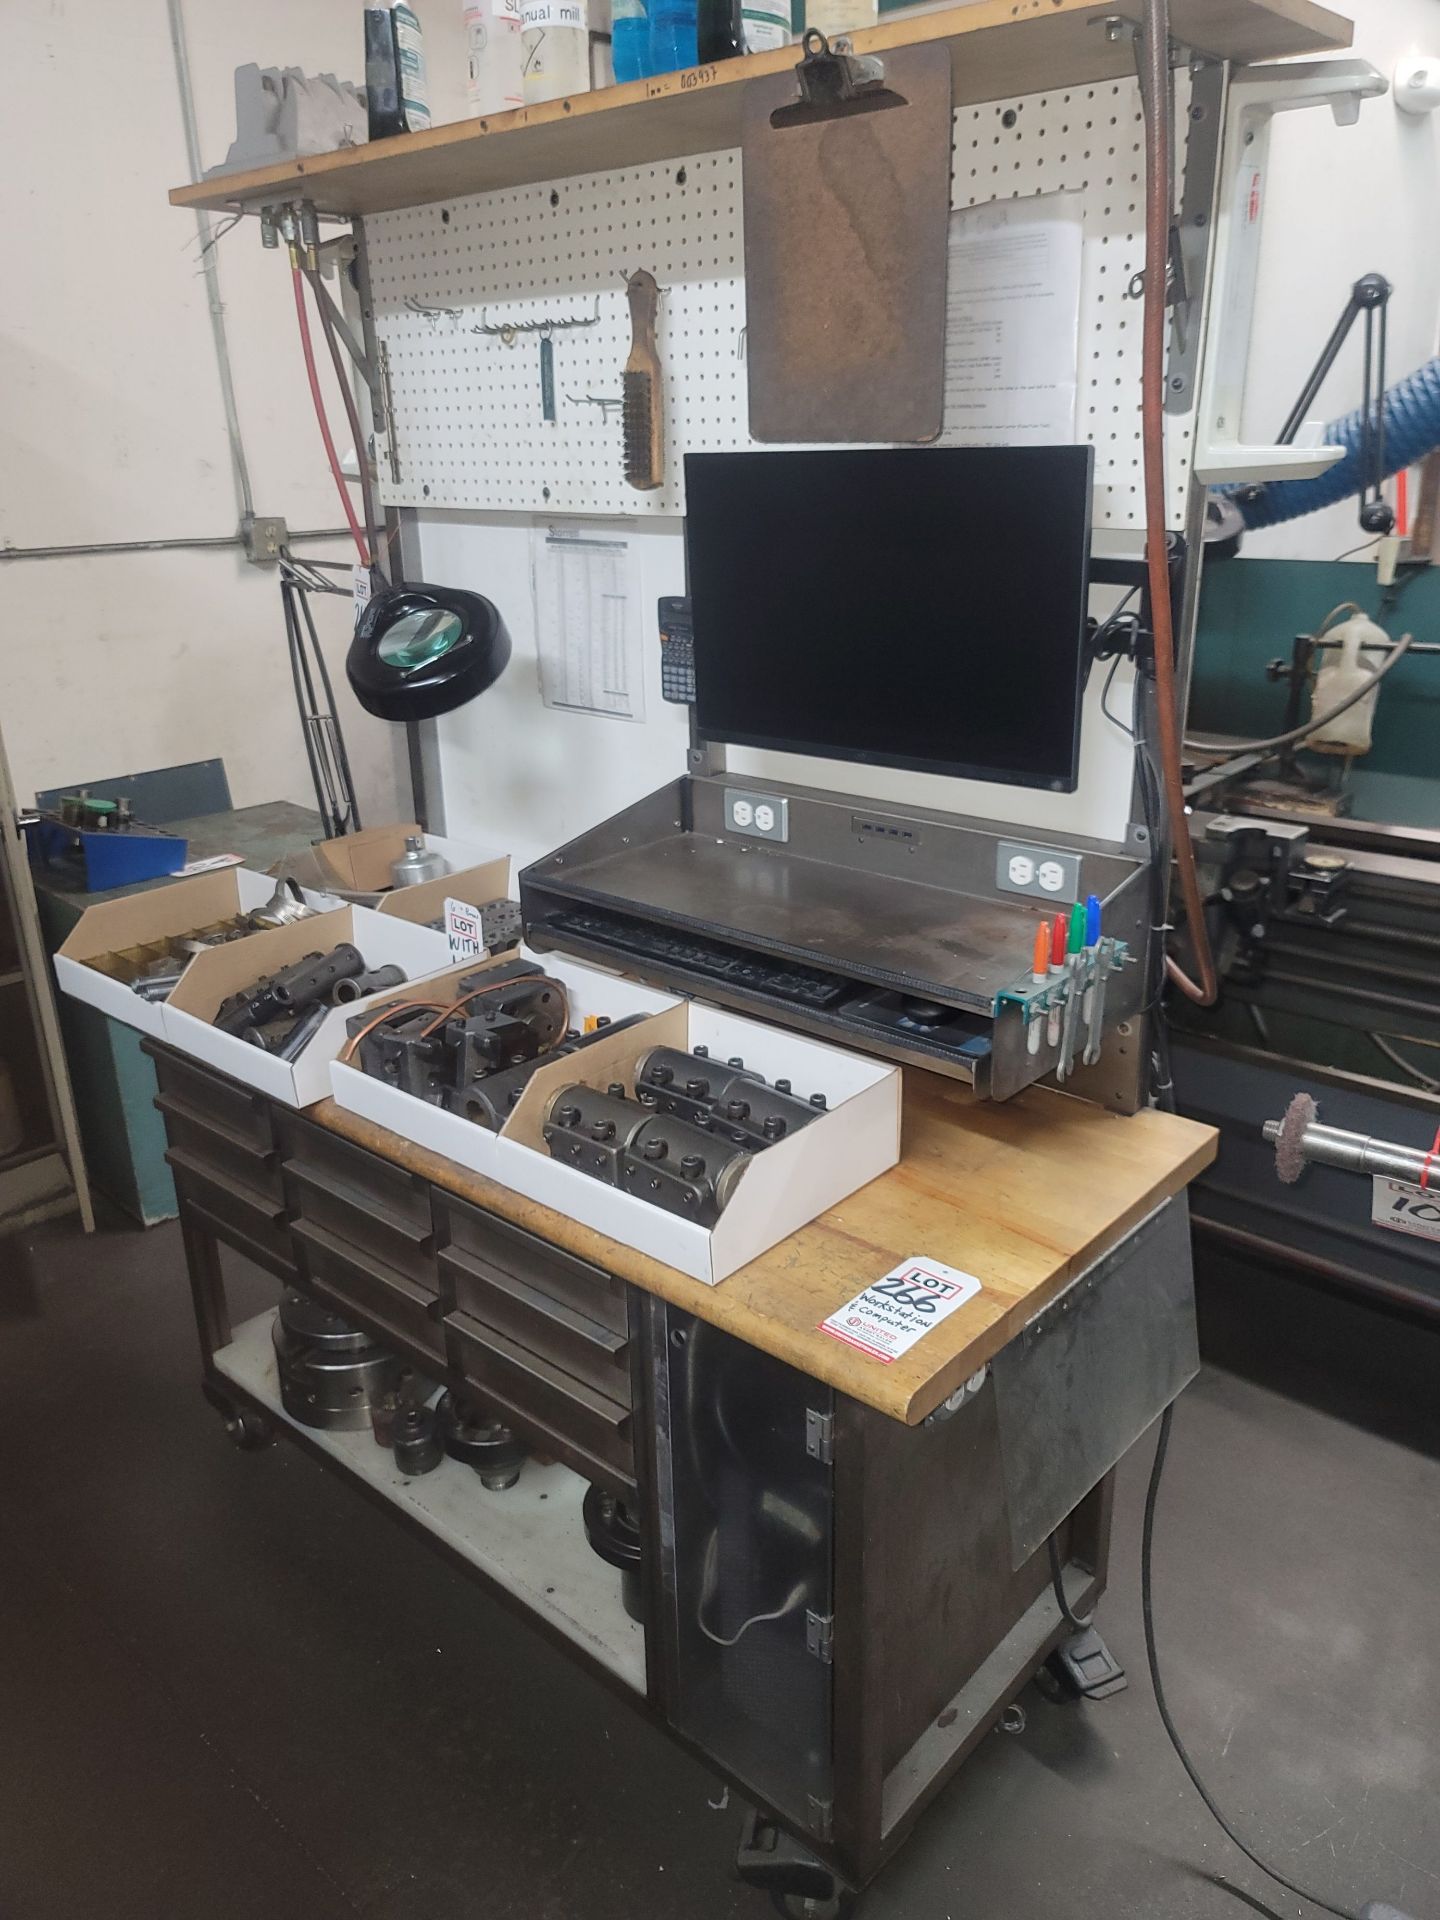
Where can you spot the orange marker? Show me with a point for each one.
(1040, 965)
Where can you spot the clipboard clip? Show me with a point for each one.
(833, 85)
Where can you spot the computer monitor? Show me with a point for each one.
(915, 607)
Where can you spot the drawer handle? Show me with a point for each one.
(219, 1183)
(421, 1238)
(323, 1241)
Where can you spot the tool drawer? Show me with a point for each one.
(348, 1277)
(211, 1098)
(554, 1411)
(386, 1191)
(252, 1221)
(494, 1248)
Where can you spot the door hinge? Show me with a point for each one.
(822, 1817)
(820, 1435)
(820, 1635)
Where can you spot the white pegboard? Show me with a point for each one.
(469, 431)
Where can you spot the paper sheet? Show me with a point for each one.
(587, 624)
(1012, 326)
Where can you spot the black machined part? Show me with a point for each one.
(469, 1433)
(360, 986)
(489, 1041)
(415, 1441)
(589, 1130)
(292, 990)
(684, 1168)
(302, 1032)
(490, 1102)
(402, 1052)
(614, 1534)
(734, 1096)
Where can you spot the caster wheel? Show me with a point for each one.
(248, 1430)
(1052, 1683)
(803, 1906)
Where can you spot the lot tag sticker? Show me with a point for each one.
(892, 1314)
(462, 929)
(1406, 1209)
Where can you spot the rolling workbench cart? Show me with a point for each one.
(845, 1564)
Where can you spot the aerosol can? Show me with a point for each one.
(1348, 732)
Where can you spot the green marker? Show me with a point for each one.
(1076, 940)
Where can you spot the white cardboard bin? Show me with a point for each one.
(178, 908)
(212, 976)
(785, 1185)
(357, 866)
(592, 992)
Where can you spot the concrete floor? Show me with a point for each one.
(227, 1683)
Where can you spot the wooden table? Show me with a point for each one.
(803, 1517)
(1023, 1194)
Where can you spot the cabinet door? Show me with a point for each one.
(744, 1487)
(42, 1170)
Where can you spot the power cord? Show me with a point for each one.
(1057, 1586)
(1162, 1447)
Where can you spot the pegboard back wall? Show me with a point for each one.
(469, 431)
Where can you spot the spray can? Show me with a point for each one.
(555, 39)
(492, 36)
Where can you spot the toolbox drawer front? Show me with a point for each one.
(534, 1320)
(508, 1252)
(376, 1184)
(240, 1110)
(559, 1414)
(254, 1222)
(221, 1150)
(349, 1277)
(363, 1221)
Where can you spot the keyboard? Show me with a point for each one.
(711, 959)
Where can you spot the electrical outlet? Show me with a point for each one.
(1045, 873)
(765, 816)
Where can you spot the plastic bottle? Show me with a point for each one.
(836, 17)
(555, 37)
(1348, 732)
(630, 40)
(719, 30)
(492, 35)
(672, 35)
(767, 25)
(410, 54)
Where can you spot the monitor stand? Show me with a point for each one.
(891, 928)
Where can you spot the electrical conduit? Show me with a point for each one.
(346, 502)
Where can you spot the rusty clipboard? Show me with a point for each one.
(846, 230)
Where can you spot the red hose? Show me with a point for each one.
(330, 455)
(1155, 92)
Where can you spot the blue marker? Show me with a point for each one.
(1092, 920)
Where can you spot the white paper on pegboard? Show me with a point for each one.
(469, 430)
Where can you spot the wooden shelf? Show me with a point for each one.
(998, 48)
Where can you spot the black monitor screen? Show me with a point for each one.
(912, 608)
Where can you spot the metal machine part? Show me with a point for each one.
(688, 1167)
(417, 864)
(284, 906)
(470, 1433)
(1299, 1138)
(361, 985)
(415, 1441)
(920, 946)
(614, 1534)
(734, 1097)
(332, 1375)
(290, 991)
(508, 1021)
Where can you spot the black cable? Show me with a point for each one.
(1057, 1587)
(1162, 1447)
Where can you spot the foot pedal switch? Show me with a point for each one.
(1087, 1666)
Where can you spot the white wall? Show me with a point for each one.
(1344, 201)
(113, 422)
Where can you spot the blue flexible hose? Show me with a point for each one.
(1412, 429)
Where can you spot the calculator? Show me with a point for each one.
(677, 651)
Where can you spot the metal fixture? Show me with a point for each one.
(417, 864)
(614, 1534)
(331, 1374)
(415, 1441)
(1300, 1138)
(469, 1432)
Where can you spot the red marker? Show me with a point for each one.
(1058, 935)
